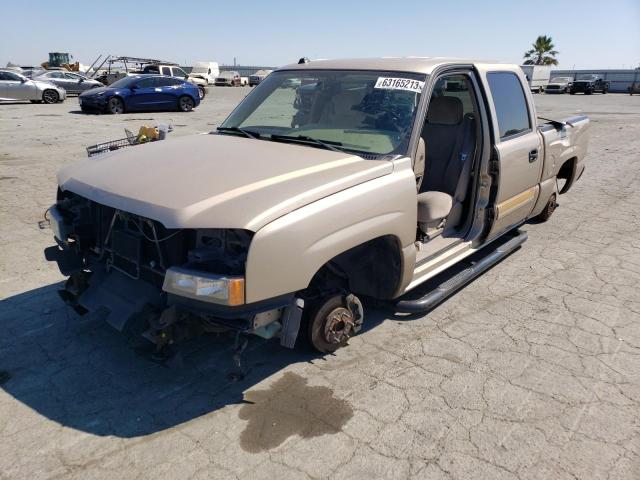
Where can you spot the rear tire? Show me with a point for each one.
(50, 96)
(186, 104)
(115, 106)
(549, 208)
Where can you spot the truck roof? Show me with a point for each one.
(400, 64)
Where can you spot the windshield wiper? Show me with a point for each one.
(326, 144)
(246, 133)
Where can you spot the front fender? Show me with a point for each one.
(285, 254)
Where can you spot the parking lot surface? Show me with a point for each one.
(530, 372)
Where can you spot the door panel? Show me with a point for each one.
(518, 148)
(18, 90)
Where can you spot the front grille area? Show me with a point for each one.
(144, 249)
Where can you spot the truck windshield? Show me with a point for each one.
(367, 112)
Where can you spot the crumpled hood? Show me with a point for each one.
(216, 181)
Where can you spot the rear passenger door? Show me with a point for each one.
(518, 149)
(169, 91)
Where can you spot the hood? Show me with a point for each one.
(216, 181)
(95, 91)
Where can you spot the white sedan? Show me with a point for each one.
(14, 86)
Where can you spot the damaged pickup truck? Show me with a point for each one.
(366, 179)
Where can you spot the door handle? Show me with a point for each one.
(533, 155)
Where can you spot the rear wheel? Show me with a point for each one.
(549, 208)
(333, 321)
(50, 96)
(186, 104)
(115, 105)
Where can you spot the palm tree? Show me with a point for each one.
(542, 52)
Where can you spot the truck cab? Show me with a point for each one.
(367, 179)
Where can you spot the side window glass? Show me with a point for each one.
(510, 104)
(12, 76)
(456, 86)
(165, 71)
(146, 83)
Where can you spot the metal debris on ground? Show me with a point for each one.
(145, 134)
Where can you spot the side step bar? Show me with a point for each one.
(456, 282)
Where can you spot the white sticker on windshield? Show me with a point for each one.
(389, 83)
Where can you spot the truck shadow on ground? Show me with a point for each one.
(81, 373)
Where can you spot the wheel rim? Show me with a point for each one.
(115, 106)
(186, 104)
(338, 326)
(50, 96)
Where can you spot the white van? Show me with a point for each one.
(206, 70)
(537, 76)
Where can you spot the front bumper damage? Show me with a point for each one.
(118, 280)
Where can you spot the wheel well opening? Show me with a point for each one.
(372, 269)
(567, 173)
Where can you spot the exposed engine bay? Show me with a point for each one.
(134, 269)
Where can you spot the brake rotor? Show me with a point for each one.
(338, 326)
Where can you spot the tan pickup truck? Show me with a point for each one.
(332, 183)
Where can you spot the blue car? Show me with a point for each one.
(142, 93)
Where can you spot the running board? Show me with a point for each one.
(458, 281)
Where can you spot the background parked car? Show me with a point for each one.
(175, 71)
(589, 84)
(559, 85)
(257, 77)
(142, 92)
(228, 79)
(14, 86)
(70, 81)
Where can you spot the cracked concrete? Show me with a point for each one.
(531, 372)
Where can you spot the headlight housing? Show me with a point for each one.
(203, 286)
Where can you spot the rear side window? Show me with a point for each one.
(510, 104)
(168, 82)
(165, 71)
(147, 83)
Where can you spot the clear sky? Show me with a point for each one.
(587, 33)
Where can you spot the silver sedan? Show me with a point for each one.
(14, 86)
(71, 82)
